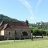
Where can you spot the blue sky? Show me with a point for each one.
(32, 10)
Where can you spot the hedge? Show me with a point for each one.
(38, 32)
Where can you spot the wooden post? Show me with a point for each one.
(9, 35)
(31, 36)
(42, 35)
(21, 36)
(14, 35)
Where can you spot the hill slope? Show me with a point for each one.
(7, 19)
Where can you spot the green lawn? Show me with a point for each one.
(36, 43)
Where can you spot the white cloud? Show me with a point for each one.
(28, 6)
(31, 17)
(39, 1)
(26, 3)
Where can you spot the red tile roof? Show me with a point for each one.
(11, 25)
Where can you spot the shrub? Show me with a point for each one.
(39, 33)
(31, 31)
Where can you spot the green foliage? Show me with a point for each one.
(37, 32)
(31, 31)
(7, 19)
(40, 25)
(39, 29)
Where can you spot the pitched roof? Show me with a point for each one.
(11, 25)
(3, 26)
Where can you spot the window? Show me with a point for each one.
(9, 33)
(15, 32)
(24, 33)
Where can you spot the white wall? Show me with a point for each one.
(2, 32)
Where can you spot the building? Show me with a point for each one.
(14, 30)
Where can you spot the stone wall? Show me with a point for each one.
(18, 33)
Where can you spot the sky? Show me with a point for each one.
(31, 10)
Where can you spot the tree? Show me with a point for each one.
(7, 19)
(14, 35)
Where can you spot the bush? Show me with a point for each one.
(43, 32)
(31, 31)
(39, 33)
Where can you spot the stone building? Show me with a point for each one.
(14, 30)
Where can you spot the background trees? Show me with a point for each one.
(7, 19)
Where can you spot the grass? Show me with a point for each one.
(36, 43)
